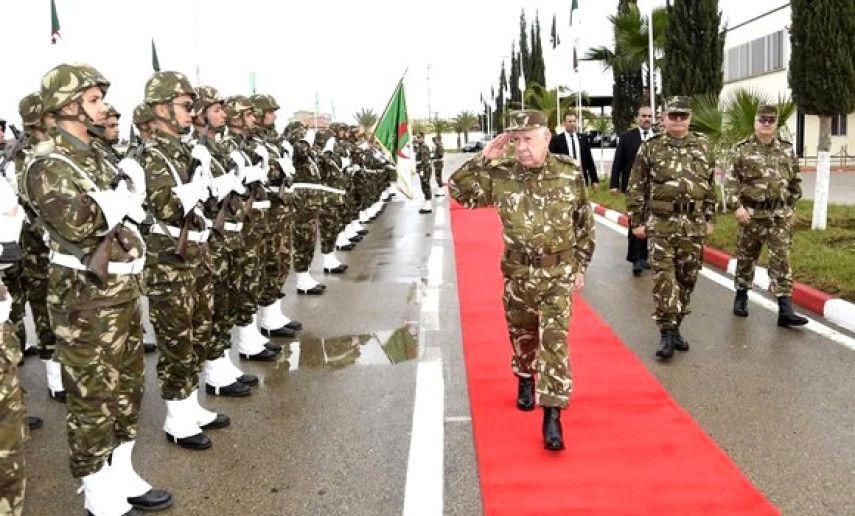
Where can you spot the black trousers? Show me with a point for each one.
(636, 248)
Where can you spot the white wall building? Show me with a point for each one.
(757, 56)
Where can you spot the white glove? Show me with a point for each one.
(345, 162)
(8, 197)
(330, 145)
(113, 203)
(309, 137)
(201, 153)
(135, 211)
(189, 194)
(11, 174)
(237, 185)
(5, 307)
(287, 165)
(239, 160)
(222, 185)
(288, 148)
(262, 151)
(256, 173)
(10, 225)
(133, 170)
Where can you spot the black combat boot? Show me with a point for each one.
(740, 303)
(786, 316)
(525, 394)
(637, 267)
(666, 344)
(553, 435)
(680, 344)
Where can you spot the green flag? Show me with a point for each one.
(573, 7)
(155, 62)
(54, 23)
(393, 133)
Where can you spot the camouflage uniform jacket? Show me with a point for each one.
(764, 173)
(231, 142)
(422, 152)
(164, 158)
(276, 179)
(107, 151)
(438, 152)
(544, 210)
(672, 171)
(222, 164)
(58, 192)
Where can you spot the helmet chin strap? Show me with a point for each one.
(171, 121)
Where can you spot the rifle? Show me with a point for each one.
(183, 236)
(21, 139)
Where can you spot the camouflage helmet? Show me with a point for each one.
(65, 83)
(321, 137)
(294, 131)
(165, 86)
(143, 114)
(207, 96)
(235, 105)
(337, 127)
(30, 109)
(264, 103)
(112, 111)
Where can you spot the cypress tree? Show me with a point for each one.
(628, 85)
(538, 66)
(525, 52)
(694, 49)
(498, 119)
(516, 94)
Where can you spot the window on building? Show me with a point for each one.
(757, 57)
(838, 125)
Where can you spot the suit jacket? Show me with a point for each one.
(558, 145)
(627, 148)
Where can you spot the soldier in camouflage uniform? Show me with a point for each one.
(765, 183)
(226, 210)
(86, 208)
(671, 202)
(423, 168)
(143, 121)
(13, 431)
(437, 161)
(253, 172)
(309, 199)
(278, 241)
(549, 240)
(179, 282)
(330, 165)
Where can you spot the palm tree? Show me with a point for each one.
(366, 118)
(603, 126)
(441, 126)
(463, 123)
(630, 30)
(538, 97)
(421, 126)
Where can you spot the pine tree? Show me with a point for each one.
(694, 49)
(538, 66)
(628, 85)
(498, 119)
(516, 94)
(525, 51)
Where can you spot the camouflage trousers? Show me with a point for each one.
(34, 282)
(675, 261)
(437, 172)
(276, 258)
(776, 233)
(537, 310)
(330, 221)
(305, 230)
(13, 429)
(226, 250)
(424, 179)
(181, 302)
(248, 262)
(103, 372)
(11, 277)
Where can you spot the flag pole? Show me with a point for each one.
(651, 84)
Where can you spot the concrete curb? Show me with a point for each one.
(839, 311)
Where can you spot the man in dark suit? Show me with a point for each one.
(577, 147)
(628, 144)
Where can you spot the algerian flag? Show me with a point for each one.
(575, 61)
(393, 133)
(54, 23)
(573, 7)
(155, 62)
(521, 82)
(553, 37)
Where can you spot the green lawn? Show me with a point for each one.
(821, 259)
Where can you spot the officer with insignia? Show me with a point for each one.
(671, 202)
(765, 183)
(548, 229)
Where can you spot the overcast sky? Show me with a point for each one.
(348, 53)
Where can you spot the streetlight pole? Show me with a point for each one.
(651, 83)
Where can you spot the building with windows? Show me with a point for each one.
(757, 56)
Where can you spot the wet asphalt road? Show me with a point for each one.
(328, 431)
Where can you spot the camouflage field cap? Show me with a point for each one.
(678, 104)
(525, 119)
(165, 86)
(264, 102)
(30, 109)
(207, 96)
(767, 110)
(65, 83)
(235, 105)
(143, 114)
(112, 111)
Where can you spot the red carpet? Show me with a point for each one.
(630, 448)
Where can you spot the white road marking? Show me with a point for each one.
(726, 282)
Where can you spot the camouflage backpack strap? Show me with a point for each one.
(88, 183)
(169, 165)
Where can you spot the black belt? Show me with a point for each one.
(539, 260)
(769, 204)
(678, 206)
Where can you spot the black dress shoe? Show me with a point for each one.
(199, 441)
(294, 325)
(525, 394)
(362, 232)
(262, 356)
(336, 270)
(274, 347)
(221, 421)
(553, 435)
(233, 390)
(284, 331)
(152, 501)
(314, 291)
(424, 211)
(149, 347)
(31, 351)
(666, 344)
(637, 268)
(57, 395)
(356, 238)
(129, 513)
(34, 423)
(740, 303)
(346, 247)
(786, 316)
(248, 379)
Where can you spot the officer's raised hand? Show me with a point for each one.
(496, 148)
